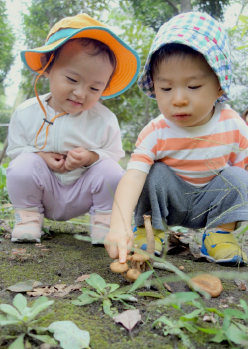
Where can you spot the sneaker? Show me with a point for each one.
(99, 226)
(141, 241)
(28, 226)
(222, 247)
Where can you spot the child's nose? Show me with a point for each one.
(80, 92)
(180, 99)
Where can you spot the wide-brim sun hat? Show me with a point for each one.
(83, 26)
(202, 33)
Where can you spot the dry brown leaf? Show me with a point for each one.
(82, 277)
(128, 318)
(58, 290)
(209, 318)
(18, 251)
(167, 287)
(242, 284)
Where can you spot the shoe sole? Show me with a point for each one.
(235, 260)
(25, 238)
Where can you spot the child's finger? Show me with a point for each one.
(122, 252)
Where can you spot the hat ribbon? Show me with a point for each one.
(42, 107)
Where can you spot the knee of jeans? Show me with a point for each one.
(236, 175)
(158, 170)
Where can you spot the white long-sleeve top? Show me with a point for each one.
(96, 129)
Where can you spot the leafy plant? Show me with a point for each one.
(3, 179)
(105, 293)
(69, 335)
(228, 329)
(24, 317)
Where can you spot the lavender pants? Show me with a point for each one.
(31, 183)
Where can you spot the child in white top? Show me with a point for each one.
(67, 166)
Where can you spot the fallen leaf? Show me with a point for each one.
(209, 318)
(167, 287)
(58, 290)
(82, 277)
(24, 286)
(242, 284)
(128, 318)
(176, 245)
(39, 245)
(18, 251)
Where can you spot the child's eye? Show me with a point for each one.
(94, 89)
(194, 87)
(70, 79)
(166, 89)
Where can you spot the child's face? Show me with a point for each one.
(186, 89)
(77, 79)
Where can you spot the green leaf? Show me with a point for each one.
(38, 308)
(18, 343)
(219, 337)
(97, 282)
(194, 314)
(92, 294)
(189, 327)
(8, 309)
(235, 313)
(163, 320)
(112, 287)
(106, 307)
(126, 297)
(20, 302)
(69, 335)
(84, 299)
(140, 281)
(9, 322)
(244, 305)
(209, 330)
(44, 338)
(235, 335)
(177, 298)
(150, 294)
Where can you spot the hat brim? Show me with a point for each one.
(128, 61)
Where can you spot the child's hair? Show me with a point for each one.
(172, 50)
(98, 48)
(245, 114)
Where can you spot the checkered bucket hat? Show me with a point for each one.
(202, 33)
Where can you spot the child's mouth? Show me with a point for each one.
(180, 117)
(75, 103)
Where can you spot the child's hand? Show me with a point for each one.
(54, 161)
(119, 245)
(79, 157)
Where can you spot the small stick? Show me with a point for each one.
(149, 235)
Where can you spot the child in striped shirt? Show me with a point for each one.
(190, 164)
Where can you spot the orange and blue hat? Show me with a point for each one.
(202, 33)
(83, 26)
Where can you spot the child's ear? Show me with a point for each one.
(220, 92)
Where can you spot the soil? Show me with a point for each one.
(62, 259)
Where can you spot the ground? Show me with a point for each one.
(62, 259)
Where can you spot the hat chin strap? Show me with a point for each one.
(42, 107)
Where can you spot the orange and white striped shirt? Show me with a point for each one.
(196, 154)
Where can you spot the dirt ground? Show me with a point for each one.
(62, 259)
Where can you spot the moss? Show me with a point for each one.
(69, 258)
